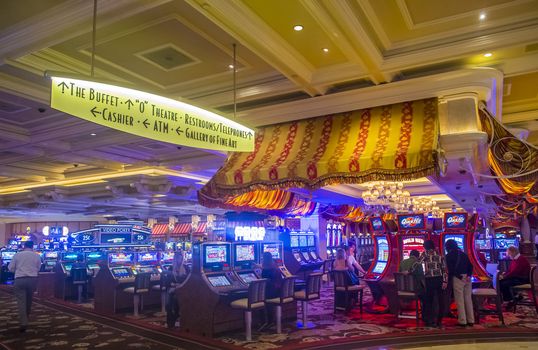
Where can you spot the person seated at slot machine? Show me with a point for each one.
(518, 273)
(413, 266)
(79, 264)
(271, 272)
(352, 264)
(340, 263)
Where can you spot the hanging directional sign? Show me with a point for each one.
(147, 115)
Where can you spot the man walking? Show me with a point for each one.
(25, 265)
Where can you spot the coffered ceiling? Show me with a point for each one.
(53, 163)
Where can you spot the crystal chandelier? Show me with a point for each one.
(391, 195)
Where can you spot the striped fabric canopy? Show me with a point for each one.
(159, 230)
(391, 143)
(181, 229)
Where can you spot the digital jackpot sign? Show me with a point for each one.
(377, 224)
(411, 222)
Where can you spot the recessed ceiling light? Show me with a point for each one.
(231, 66)
(489, 54)
(325, 49)
(298, 28)
(482, 16)
(93, 134)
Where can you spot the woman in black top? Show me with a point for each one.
(460, 271)
(271, 272)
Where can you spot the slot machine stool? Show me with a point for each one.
(341, 285)
(80, 279)
(286, 296)
(311, 292)
(495, 293)
(141, 286)
(407, 288)
(163, 287)
(528, 289)
(255, 301)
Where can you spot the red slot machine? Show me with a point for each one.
(412, 235)
(382, 250)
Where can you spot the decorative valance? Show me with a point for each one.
(391, 143)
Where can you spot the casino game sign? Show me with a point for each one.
(377, 224)
(411, 222)
(455, 221)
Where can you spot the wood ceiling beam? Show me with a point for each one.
(244, 25)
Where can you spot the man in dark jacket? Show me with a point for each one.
(460, 271)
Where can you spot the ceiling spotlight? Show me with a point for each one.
(482, 16)
(489, 54)
(93, 134)
(231, 66)
(325, 49)
(298, 28)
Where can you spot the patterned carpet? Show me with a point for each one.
(326, 327)
(59, 328)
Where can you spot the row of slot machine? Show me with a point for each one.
(300, 252)
(391, 249)
(491, 250)
(221, 273)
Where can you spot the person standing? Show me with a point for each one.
(26, 265)
(460, 271)
(436, 279)
(518, 273)
(175, 277)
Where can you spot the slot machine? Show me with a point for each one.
(50, 258)
(148, 262)
(245, 260)
(167, 259)
(63, 286)
(312, 250)
(93, 259)
(276, 249)
(484, 248)
(382, 250)
(7, 256)
(412, 234)
(303, 249)
(112, 279)
(328, 241)
(501, 244)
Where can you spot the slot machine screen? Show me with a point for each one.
(459, 240)
(68, 266)
(305, 255)
(302, 241)
(294, 241)
(382, 249)
(93, 266)
(69, 256)
(8, 255)
(50, 264)
(167, 257)
(146, 270)
(503, 243)
(216, 255)
(93, 257)
(311, 242)
(379, 267)
(272, 248)
(248, 277)
(219, 281)
(483, 244)
(245, 252)
(314, 255)
(120, 258)
(51, 255)
(297, 256)
(121, 272)
(147, 258)
(410, 243)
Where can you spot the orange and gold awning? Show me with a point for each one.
(392, 143)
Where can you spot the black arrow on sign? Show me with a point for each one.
(249, 135)
(95, 111)
(129, 103)
(63, 86)
(179, 131)
(145, 122)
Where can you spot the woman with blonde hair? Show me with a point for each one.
(340, 263)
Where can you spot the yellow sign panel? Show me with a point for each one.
(147, 115)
